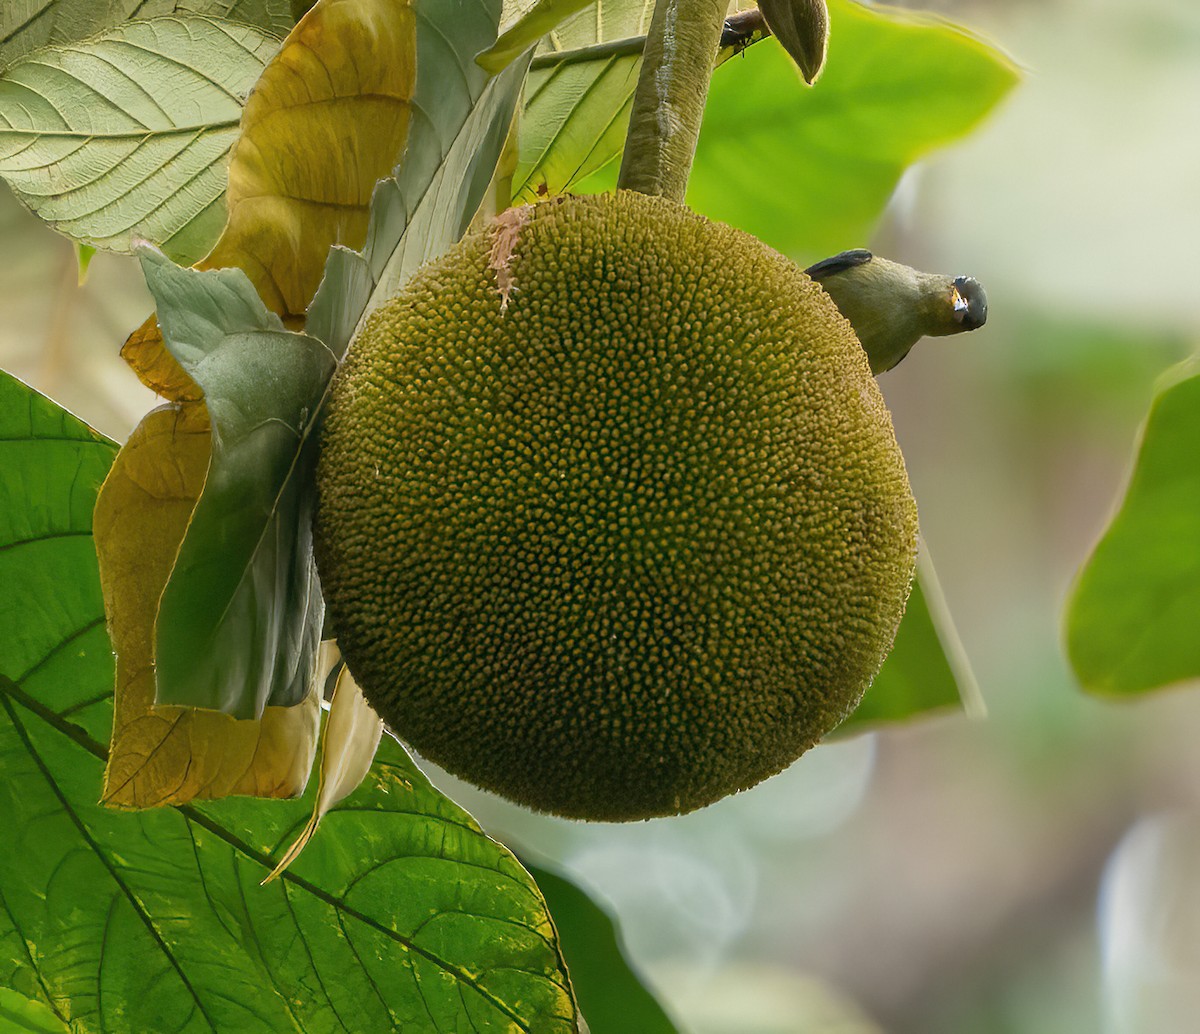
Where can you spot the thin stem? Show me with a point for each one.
(668, 106)
(741, 30)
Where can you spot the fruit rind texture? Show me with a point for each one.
(612, 520)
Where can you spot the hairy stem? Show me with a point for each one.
(668, 106)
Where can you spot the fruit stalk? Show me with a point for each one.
(668, 105)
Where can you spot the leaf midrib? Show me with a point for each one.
(139, 134)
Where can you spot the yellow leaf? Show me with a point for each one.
(327, 119)
(352, 734)
(170, 755)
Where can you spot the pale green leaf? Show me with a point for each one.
(577, 99)
(26, 25)
(126, 135)
(532, 24)
(348, 745)
(403, 916)
(1132, 618)
(461, 118)
(240, 619)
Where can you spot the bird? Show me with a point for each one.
(892, 306)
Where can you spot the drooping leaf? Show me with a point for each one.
(927, 670)
(127, 134)
(530, 26)
(611, 996)
(1131, 619)
(404, 917)
(328, 119)
(172, 755)
(808, 170)
(452, 152)
(348, 745)
(26, 25)
(240, 618)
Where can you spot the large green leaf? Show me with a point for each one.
(403, 915)
(611, 997)
(126, 134)
(1132, 618)
(808, 170)
(240, 619)
(926, 671)
(461, 118)
(51, 466)
(26, 25)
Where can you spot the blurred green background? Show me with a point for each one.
(953, 875)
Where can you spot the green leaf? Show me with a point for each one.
(927, 670)
(432, 195)
(126, 135)
(577, 101)
(402, 915)
(611, 996)
(240, 619)
(26, 25)
(84, 253)
(532, 24)
(21, 1015)
(51, 466)
(1131, 619)
(808, 170)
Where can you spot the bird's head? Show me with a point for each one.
(969, 302)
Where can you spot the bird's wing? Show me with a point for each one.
(839, 263)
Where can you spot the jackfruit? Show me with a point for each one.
(612, 519)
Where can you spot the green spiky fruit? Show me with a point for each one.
(612, 517)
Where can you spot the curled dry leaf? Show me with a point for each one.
(352, 734)
(155, 367)
(171, 755)
(342, 84)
